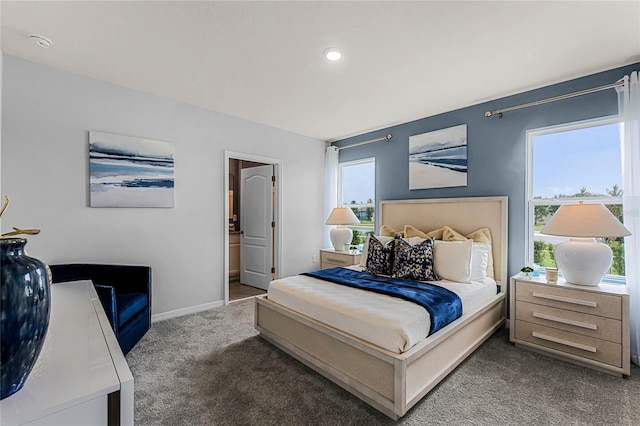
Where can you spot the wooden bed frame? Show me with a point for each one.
(388, 381)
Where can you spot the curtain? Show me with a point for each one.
(330, 189)
(629, 109)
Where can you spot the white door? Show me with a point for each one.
(256, 232)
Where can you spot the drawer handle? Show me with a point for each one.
(564, 342)
(588, 303)
(565, 321)
(336, 260)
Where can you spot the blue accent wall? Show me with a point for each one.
(496, 147)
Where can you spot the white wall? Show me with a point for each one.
(47, 114)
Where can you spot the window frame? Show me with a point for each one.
(341, 202)
(531, 203)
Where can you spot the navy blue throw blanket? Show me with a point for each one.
(443, 305)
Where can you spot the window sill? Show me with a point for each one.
(608, 279)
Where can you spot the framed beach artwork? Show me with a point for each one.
(438, 159)
(127, 171)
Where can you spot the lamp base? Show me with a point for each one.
(583, 261)
(341, 238)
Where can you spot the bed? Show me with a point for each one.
(391, 381)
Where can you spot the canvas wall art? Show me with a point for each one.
(438, 159)
(127, 171)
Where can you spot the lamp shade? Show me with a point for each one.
(341, 237)
(342, 216)
(582, 260)
(584, 221)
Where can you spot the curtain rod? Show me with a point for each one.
(385, 138)
(553, 99)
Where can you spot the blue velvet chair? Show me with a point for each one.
(125, 294)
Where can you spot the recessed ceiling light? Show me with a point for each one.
(41, 41)
(332, 54)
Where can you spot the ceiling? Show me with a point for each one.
(262, 61)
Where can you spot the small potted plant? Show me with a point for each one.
(527, 270)
(355, 241)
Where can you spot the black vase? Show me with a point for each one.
(24, 313)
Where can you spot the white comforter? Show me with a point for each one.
(388, 322)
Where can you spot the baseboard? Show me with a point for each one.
(186, 311)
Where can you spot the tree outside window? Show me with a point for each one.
(356, 188)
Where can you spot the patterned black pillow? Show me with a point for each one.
(379, 257)
(414, 262)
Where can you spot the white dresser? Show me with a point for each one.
(81, 376)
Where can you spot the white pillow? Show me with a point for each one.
(479, 261)
(414, 240)
(365, 248)
(452, 260)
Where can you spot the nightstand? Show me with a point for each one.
(330, 258)
(584, 325)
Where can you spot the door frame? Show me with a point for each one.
(277, 208)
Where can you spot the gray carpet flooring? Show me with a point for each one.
(211, 368)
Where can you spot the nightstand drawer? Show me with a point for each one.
(574, 322)
(563, 341)
(338, 259)
(327, 265)
(574, 300)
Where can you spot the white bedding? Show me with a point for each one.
(388, 322)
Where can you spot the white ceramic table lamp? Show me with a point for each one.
(340, 236)
(582, 260)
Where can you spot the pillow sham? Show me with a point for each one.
(482, 235)
(380, 257)
(452, 260)
(479, 261)
(387, 231)
(412, 231)
(414, 262)
(449, 234)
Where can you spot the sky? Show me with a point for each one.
(567, 161)
(359, 183)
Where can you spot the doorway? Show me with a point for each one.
(251, 228)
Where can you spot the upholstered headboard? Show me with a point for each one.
(464, 215)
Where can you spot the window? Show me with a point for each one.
(357, 189)
(569, 163)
